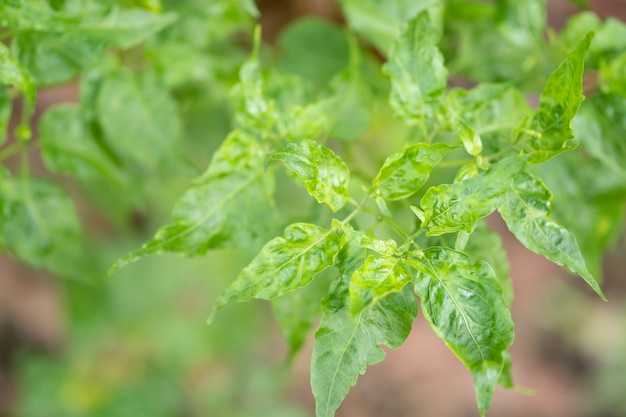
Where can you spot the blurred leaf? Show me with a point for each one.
(458, 206)
(525, 210)
(405, 172)
(69, 149)
(380, 21)
(486, 245)
(223, 209)
(608, 42)
(55, 57)
(5, 113)
(462, 300)
(549, 132)
(324, 174)
(39, 225)
(14, 74)
(346, 344)
(612, 75)
(588, 205)
(312, 48)
(417, 71)
(284, 264)
(139, 118)
(298, 311)
(521, 21)
(601, 128)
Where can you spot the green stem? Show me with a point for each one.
(10, 150)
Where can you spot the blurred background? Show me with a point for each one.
(136, 343)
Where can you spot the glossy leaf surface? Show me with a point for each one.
(325, 176)
(346, 344)
(416, 68)
(525, 210)
(404, 173)
(458, 206)
(463, 302)
(284, 264)
(549, 132)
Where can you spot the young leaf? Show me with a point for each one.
(417, 71)
(404, 173)
(458, 206)
(378, 277)
(223, 209)
(525, 209)
(284, 264)
(549, 131)
(346, 344)
(462, 300)
(325, 176)
(69, 149)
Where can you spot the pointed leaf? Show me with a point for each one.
(458, 206)
(549, 132)
(463, 303)
(284, 264)
(378, 277)
(404, 173)
(325, 176)
(525, 209)
(346, 344)
(223, 209)
(416, 68)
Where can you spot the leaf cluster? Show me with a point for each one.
(402, 165)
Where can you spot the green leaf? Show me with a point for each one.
(346, 344)
(462, 300)
(298, 311)
(486, 245)
(417, 71)
(5, 113)
(525, 209)
(123, 27)
(405, 172)
(379, 20)
(68, 148)
(325, 176)
(139, 118)
(385, 247)
(284, 264)
(600, 125)
(223, 209)
(39, 225)
(612, 75)
(458, 206)
(14, 74)
(313, 48)
(521, 21)
(549, 131)
(378, 277)
(53, 57)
